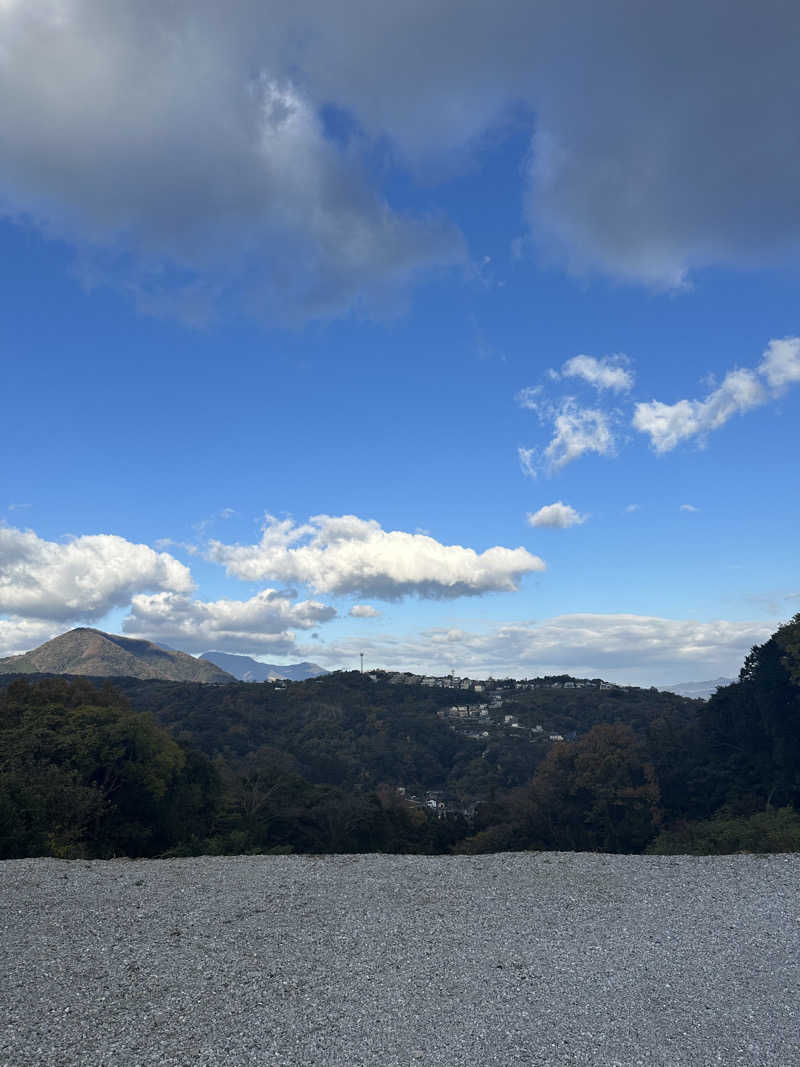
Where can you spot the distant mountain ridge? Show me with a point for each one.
(101, 655)
(697, 690)
(247, 669)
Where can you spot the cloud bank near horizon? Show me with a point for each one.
(260, 624)
(644, 649)
(53, 586)
(641, 650)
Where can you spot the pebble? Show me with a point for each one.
(527, 959)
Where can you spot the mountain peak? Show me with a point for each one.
(247, 669)
(87, 651)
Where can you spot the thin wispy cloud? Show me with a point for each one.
(608, 373)
(575, 431)
(742, 390)
(578, 429)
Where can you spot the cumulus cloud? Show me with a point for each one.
(259, 624)
(668, 425)
(81, 579)
(607, 373)
(211, 147)
(630, 508)
(637, 648)
(558, 516)
(780, 363)
(21, 635)
(352, 556)
(688, 507)
(363, 611)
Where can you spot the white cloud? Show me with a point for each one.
(575, 431)
(578, 431)
(259, 624)
(606, 373)
(527, 461)
(688, 507)
(780, 363)
(557, 516)
(640, 649)
(81, 579)
(532, 398)
(363, 611)
(352, 556)
(22, 635)
(669, 424)
(632, 507)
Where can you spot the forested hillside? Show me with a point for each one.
(350, 763)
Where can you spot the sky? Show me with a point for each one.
(463, 336)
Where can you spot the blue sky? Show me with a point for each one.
(294, 311)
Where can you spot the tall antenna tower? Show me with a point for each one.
(362, 662)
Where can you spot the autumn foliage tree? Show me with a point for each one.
(598, 793)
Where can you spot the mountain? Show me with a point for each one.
(696, 690)
(247, 669)
(100, 655)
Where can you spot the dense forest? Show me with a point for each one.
(352, 763)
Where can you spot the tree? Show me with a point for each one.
(751, 730)
(83, 774)
(598, 793)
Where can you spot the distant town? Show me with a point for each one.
(478, 685)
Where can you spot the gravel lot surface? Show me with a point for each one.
(536, 958)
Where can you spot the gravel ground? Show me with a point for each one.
(535, 958)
